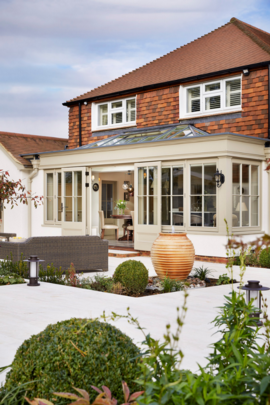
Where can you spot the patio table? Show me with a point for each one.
(8, 235)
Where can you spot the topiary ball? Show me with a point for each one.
(133, 275)
(265, 258)
(104, 356)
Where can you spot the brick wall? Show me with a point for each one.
(254, 120)
(159, 107)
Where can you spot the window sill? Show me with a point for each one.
(51, 225)
(203, 115)
(109, 127)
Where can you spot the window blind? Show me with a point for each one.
(233, 93)
(194, 102)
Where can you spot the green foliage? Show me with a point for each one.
(170, 285)
(20, 268)
(201, 272)
(52, 275)
(133, 275)
(223, 279)
(251, 260)
(76, 352)
(265, 258)
(11, 278)
(100, 283)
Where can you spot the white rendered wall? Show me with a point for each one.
(16, 219)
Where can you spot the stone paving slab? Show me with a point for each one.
(26, 311)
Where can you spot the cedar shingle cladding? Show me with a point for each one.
(242, 44)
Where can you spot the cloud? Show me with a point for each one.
(52, 51)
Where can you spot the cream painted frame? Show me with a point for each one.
(253, 229)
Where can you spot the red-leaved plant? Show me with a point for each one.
(13, 192)
(104, 397)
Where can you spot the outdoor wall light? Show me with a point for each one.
(125, 185)
(253, 290)
(219, 178)
(33, 270)
(245, 72)
(85, 103)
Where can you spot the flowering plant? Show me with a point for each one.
(121, 205)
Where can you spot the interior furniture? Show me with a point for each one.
(234, 220)
(127, 222)
(131, 227)
(126, 217)
(104, 227)
(87, 253)
(7, 235)
(195, 220)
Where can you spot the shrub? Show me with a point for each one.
(76, 352)
(52, 275)
(11, 278)
(170, 285)
(133, 275)
(223, 279)
(265, 258)
(201, 272)
(101, 283)
(8, 266)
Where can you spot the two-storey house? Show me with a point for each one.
(168, 128)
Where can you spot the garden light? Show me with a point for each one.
(33, 270)
(253, 289)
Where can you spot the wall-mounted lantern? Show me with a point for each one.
(253, 290)
(219, 178)
(33, 270)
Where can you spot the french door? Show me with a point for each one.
(73, 201)
(147, 204)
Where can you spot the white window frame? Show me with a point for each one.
(123, 109)
(183, 98)
(54, 221)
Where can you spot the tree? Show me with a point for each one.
(13, 192)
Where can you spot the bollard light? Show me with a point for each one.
(253, 291)
(33, 270)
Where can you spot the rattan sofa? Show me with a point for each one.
(87, 253)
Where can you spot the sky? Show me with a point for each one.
(54, 50)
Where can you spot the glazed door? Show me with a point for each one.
(147, 204)
(73, 201)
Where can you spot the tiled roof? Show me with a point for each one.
(233, 45)
(17, 144)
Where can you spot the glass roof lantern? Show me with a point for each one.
(144, 136)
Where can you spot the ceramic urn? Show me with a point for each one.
(173, 255)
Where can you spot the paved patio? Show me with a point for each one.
(26, 311)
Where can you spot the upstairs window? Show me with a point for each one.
(117, 113)
(211, 97)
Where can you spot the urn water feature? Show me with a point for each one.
(173, 255)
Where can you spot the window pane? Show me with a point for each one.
(104, 120)
(59, 209)
(254, 180)
(109, 191)
(245, 211)
(196, 219)
(233, 93)
(178, 210)
(245, 179)
(59, 194)
(153, 211)
(142, 181)
(178, 180)
(153, 186)
(210, 211)
(117, 118)
(142, 205)
(166, 211)
(196, 204)
(178, 219)
(236, 211)
(211, 103)
(236, 178)
(209, 179)
(103, 114)
(68, 209)
(254, 211)
(196, 179)
(117, 104)
(68, 183)
(166, 181)
(49, 201)
(131, 111)
(194, 104)
(49, 184)
(212, 87)
(77, 183)
(77, 209)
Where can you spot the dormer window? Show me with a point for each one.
(116, 113)
(210, 98)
